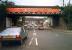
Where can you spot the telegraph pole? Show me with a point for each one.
(69, 22)
(69, 1)
(63, 3)
(6, 1)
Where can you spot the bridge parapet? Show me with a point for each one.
(29, 10)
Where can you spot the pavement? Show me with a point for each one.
(60, 30)
(44, 40)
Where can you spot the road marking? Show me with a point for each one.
(31, 41)
(35, 38)
(36, 41)
(34, 34)
(34, 30)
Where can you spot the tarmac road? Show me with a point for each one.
(44, 40)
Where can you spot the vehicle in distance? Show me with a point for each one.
(40, 27)
(13, 35)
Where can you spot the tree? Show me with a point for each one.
(67, 15)
(3, 13)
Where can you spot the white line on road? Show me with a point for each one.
(34, 30)
(36, 41)
(35, 38)
(34, 34)
(31, 41)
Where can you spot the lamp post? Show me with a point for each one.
(69, 16)
(63, 3)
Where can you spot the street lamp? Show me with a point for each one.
(69, 22)
(63, 3)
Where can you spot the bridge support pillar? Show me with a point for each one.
(23, 20)
(2, 23)
(56, 20)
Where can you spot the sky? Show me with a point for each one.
(39, 2)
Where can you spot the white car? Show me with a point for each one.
(14, 34)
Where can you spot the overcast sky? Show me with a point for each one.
(39, 2)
